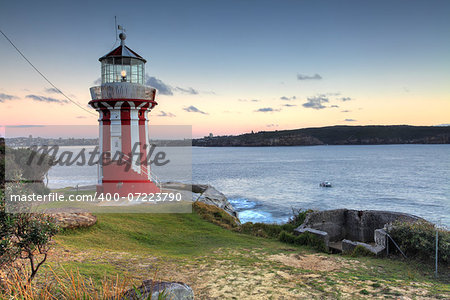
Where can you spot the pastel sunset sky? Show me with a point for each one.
(229, 67)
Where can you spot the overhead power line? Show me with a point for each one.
(43, 76)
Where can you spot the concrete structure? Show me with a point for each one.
(344, 229)
(123, 103)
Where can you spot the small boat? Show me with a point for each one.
(325, 184)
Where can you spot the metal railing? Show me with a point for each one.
(122, 90)
(144, 171)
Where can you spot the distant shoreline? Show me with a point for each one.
(333, 135)
(315, 136)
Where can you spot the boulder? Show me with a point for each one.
(212, 196)
(203, 193)
(153, 289)
(71, 220)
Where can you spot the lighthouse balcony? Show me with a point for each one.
(122, 90)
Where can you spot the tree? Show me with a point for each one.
(23, 235)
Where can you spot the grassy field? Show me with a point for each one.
(223, 264)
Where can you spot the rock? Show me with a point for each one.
(74, 220)
(203, 193)
(172, 290)
(212, 196)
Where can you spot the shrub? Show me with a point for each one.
(307, 239)
(69, 285)
(361, 251)
(298, 217)
(263, 229)
(23, 235)
(215, 215)
(274, 230)
(418, 240)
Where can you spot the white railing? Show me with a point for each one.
(122, 90)
(145, 171)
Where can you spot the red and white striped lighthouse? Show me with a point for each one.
(123, 103)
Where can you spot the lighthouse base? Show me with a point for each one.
(124, 188)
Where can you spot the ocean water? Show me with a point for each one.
(264, 184)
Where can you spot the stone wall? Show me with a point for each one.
(355, 225)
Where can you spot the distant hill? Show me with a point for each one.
(334, 135)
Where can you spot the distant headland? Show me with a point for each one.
(333, 135)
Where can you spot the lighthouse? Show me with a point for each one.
(123, 102)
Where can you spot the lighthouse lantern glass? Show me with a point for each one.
(112, 68)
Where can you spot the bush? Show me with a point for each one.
(298, 217)
(418, 240)
(215, 215)
(361, 251)
(23, 235)
(274, 230)
(306, 239)
(264, 230)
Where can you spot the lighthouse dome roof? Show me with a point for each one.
(122, 51)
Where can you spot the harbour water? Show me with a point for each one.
(265, 183)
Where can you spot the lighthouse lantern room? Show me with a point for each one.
(123, 103)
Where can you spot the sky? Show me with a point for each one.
(230, 67)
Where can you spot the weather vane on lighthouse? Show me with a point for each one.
(123, 102)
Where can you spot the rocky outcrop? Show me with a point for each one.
(203, 193)
(154, 290)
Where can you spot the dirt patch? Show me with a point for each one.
(312, 262)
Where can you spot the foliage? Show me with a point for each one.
(274, 230)
(418, 240)
(215, 215)
(361, 251)
(23, 235)
(307, 239)
(70, 285)
(298, 216)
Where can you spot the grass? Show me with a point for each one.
(179, 235)
(212, 260)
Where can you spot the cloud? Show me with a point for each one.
(164, 114)
(349, 120)
(163, 89)
(167, 89)
(316, 102)
(334, 106)
(245, 100)
(288, 98)
(4, 97)
(81, 117)
(266, 109)
(308, 77)
(46, 99)
(345, 111)
(272, 125)
(345, 99)
(194, 109)
(190, 91)
(289, 105)
(53, 91)
(24, 126)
